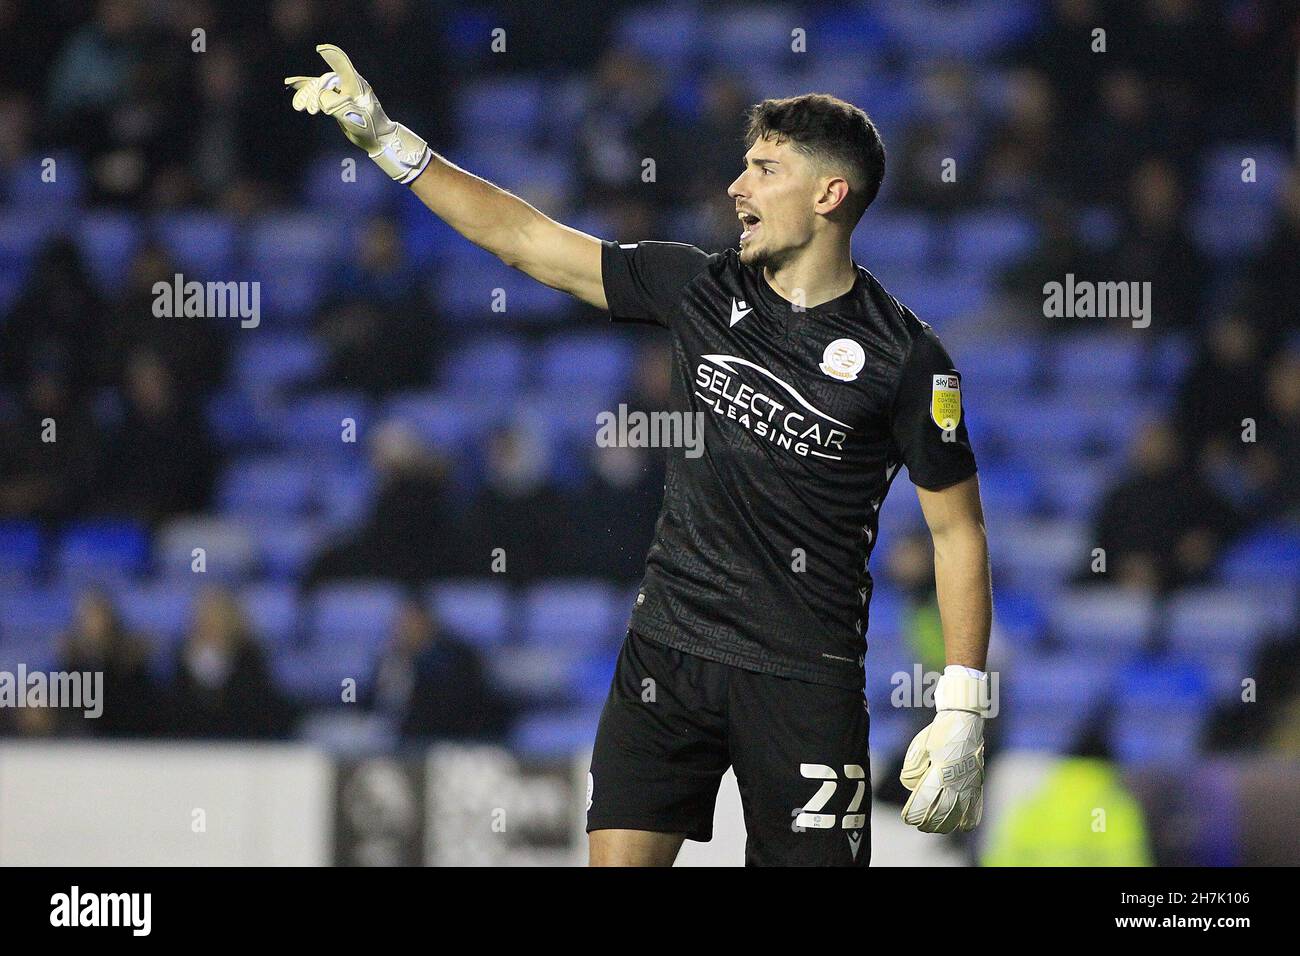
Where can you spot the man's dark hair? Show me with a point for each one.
(829, 131)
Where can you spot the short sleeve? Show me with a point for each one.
(644, 280)
(928, 420)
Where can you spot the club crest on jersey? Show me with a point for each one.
(945, 401)
(843, 359)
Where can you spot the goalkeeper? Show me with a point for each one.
(746, 643)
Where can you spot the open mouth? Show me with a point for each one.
(750, 222)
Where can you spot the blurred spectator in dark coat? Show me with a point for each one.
(160, 461)
(1161, 525)
(57, 320)
(1154, 246)
(518, 512)
(134, 704)
(47, 480)
(430, 684)
(1275, 273)
(408, 535)
(378, 328)
(224, 683)
(616, 511)
(194, 348)
(1275, 457)
(1224, 387)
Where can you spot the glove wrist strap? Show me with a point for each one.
(402, 154)
(959, 691)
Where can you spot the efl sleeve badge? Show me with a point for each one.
(945, 401)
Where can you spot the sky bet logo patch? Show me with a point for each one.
(945, 401)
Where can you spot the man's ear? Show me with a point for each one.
(834, 194)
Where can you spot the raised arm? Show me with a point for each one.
(513, 231)
(488, 216)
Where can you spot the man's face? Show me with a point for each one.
(775, 198)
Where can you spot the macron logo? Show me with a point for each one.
(738, 311)
(132, 910)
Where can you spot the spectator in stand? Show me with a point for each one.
(430, 684)
(1275, 458)
(1275, 275)
(49, 450)
(409, 535)
(1161, 526)
(378, 328)
(160, 461)
(57, 320)
(134, 704)
(224, 684)
(1154, 246)
(1224, 387)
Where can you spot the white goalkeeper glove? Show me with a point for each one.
(345, 95)
(944, 766)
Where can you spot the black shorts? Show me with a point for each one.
(674, 722)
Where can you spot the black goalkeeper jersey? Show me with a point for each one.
(760, 553)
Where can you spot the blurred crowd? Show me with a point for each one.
(1103, 152)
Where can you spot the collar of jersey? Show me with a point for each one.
(847, 302)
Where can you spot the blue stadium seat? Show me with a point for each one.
(271, 363)
(995, 367)
(273, 612)
(286, 546)
(363, 610)
(1269, 554)
(315, 674)
(1071, 488)
(159, 612)
(1009, 488)
(1219, 619)
(447, 422)
(1221, 172)
(265, 485)
(501, 108)
(1103, 618)
(1038, 554)
(667, 34)
(893, 238)
(25, 186)
(1035, 719)
(204, 244)
(1109, 362)
(552, 735)
(594, 363)
(228, 546)
(316, 423)
(35, 616)
(478, 611)
(103, 550)
(235, 418)
(108, 241)
(992, 239)
(577, 614)
(21, 549)
(326, 191)
(1019, 615)
(482, 364)
(537, 672)
(294, 238)
(466, 293)
(1160, 708)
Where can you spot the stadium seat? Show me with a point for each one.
(1219, 619)
(1019, 616)
(1269, 554)
(265, 485)
(273, 612)
(574, 614)
(549, 735)
(28, 188)
(501, 108)
(204, 244)
(1103, 618)
(474, 610)
(287, 545)
(36, 616)
(227, 544)
(1113, 363)
(108, 242)
(340, 612)
(535, 673)
(272, 363)
(21, 549)
(992, 239)
(316, 423)
(102, 550)
(161, 612)
(480, 366)
(591, 363)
